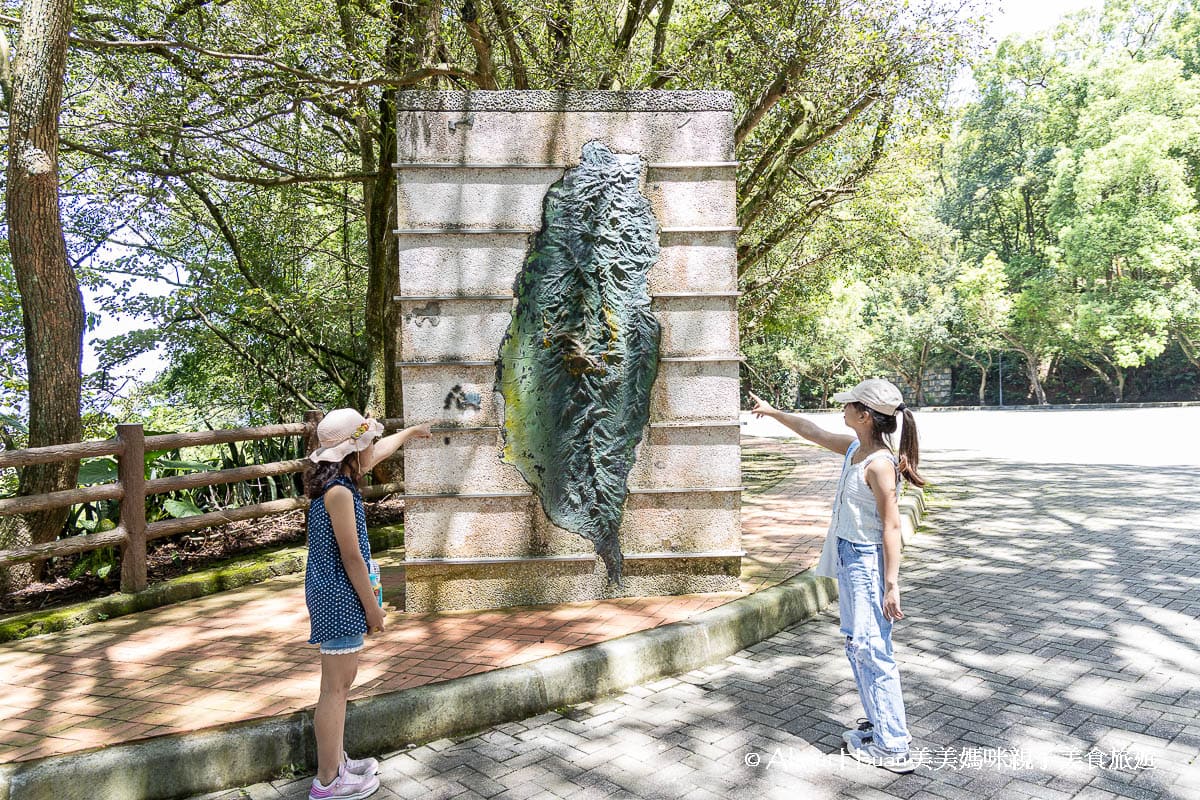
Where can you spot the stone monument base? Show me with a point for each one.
(494, 583)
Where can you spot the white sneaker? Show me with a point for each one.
(876, 756)
(346, 786)
(857, 737)
(360, 766)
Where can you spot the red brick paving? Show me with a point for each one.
(242, 654)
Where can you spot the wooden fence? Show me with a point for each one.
(131, 489)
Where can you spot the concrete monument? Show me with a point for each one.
(568, 324)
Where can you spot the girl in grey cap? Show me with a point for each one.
(862, 551)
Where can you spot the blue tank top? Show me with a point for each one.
(333, 606)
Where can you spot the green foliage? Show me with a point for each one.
(1077, 170)
(235, 164)
(1066, 223)
(830, 348)
(96, 562)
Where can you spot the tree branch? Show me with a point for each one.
(485, 68)
(504, 18)
(661, 25)
(636, 12)
(248, 356)
(559, 26)
(696, 45)
(798, 146)
(355, 360)
(243, 267)
(226, 177)
(164, 46)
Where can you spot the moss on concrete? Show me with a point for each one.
(230, 574)
(762, 470)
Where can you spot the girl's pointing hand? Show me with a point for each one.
(761, 407)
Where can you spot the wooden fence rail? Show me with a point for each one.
(131, 489)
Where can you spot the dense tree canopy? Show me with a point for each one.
(239, 151)
(1061, 226)
(225, 178)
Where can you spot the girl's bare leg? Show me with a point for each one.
(329, 720)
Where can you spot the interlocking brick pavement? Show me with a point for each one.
(1050, 650)
(242, 654)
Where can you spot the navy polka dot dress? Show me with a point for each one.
(333, 605)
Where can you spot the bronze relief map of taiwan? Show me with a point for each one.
(581, 354)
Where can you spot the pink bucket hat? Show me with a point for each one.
(344, 431)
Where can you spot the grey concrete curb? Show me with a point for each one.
(250, 752)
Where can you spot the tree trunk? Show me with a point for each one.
(383, 270)
(1032, 372)
(51, 303)
(409, 23)
(1116, 385)
(1190, 351)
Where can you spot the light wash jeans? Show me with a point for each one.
(869, 642)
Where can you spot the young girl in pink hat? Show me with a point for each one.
(862, 551)
(342, 606)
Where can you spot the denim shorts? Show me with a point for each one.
(342, 645)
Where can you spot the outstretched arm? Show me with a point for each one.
(837, 442)
(383, 449)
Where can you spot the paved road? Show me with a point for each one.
(1051, 650)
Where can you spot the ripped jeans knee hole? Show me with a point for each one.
(859, 651)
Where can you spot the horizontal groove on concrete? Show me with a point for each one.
(424, 298)
(676, 555)
(513, 165)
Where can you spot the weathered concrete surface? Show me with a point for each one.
(460, 587)
(553, 137)
(466, 461)
(698, 326)
(512, 197)
(695, 390)
(432, 330)
(695, 262)
(557, 101)
(516, 526)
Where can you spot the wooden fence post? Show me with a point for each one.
(131, 475)
(311, 420)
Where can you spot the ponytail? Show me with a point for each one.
(910, 452)
(882, 428)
